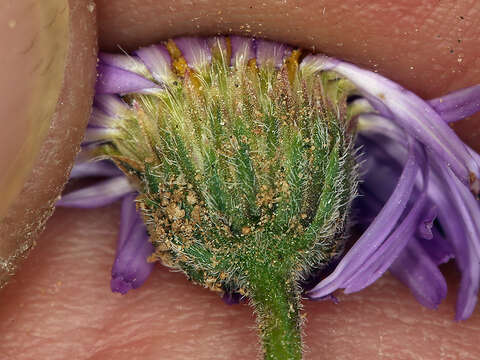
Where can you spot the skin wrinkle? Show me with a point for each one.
(69, 272)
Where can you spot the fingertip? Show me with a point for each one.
(469, 130)
(33, 42)
(47, 132)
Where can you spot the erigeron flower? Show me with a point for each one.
(229, 138)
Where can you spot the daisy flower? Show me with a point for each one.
(244, 163)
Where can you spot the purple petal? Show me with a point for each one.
(416, 270)
(374, 236)
(107, 110)
(270, 53)
(468, 293)
(100, 194)
(242, 50)
(381, 259)
(406, 108)
(111, 105)
(453, 224)
(131, 268)
(458, 105)
(438, 248)
(124, 62)
(467, 262)
(464, 234)
(385, 255)
(381, 168)
(102, 168)
(451, 217)
(195, 51)
(113, 80)
(425, 226)
(99, 119)
(467, 206)
(157, 60)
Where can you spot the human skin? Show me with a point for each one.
(48, 50)
(59, 304)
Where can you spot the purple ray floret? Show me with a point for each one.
(94, 169)
(458, 105)
(131, 268)
(114, 80)
(102, 193)
(157, 60)
(420, 273)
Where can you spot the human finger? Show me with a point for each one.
(48, 87)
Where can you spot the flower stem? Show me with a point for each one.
(276, 300)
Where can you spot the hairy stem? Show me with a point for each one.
(276, 300)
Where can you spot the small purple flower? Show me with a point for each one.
(418, 197)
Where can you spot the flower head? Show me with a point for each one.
(419, 186)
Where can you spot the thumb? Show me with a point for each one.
(47, 48)
(34, 40)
